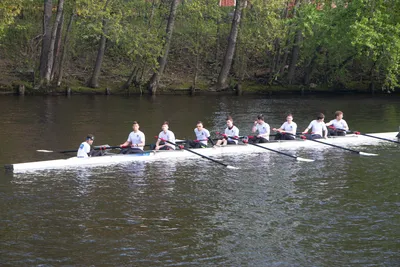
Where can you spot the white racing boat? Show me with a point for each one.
(349, 140)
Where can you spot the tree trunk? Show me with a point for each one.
(48, 5)
(57, 48)
(64, 50)
(162, 60)
(50, 58)
(295, 56)
(295, 49)
(230, 50)
(283, 65)
(130, 79)
(196, 71)
(94, 80)
(310, 67)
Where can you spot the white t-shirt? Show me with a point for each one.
(342, 124)
(136, 138)
(317, 127)
(263, 129)
(167, 136)
(202, 135)
(234, 131)
(289, 127)
(83, 150)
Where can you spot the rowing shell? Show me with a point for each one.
(349, 140)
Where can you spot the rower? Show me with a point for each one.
(338, 126)
(85, 150)
(135, 142)
(167, 135)
(231, 134)
(317, 127)
(288, 129)
(202, 136)
(263, 130)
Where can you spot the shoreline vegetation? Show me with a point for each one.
(20, 88)
(239, 47)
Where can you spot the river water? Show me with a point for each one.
(341, 210)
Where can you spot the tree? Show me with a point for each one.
(222, 82)
(162, 60)
(46, 39)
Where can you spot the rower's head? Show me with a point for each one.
(338, 115)
(135, 126)
(199, 125)
(289, 118)
(90, 139)
(260, 118)
(320, 117)
(229, 121)
(164, 126)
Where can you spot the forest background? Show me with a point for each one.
(155, 46)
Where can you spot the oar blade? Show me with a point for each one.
(45, 151)
(367, 154)
(304, 160)
(232, 167)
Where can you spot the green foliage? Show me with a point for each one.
(342, 40)
(9, 9)
(376, 32)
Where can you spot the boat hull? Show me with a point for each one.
(349, 140)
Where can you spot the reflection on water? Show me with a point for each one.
(340, 210)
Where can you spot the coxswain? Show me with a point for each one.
(263, 130)
(338, 126)
(135, 142)
(288, 129)
(163, 136)
(317, 127)
(202, 135)
(230, 135)
(85, 150)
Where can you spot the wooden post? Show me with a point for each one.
(21, 89)
(239, 89)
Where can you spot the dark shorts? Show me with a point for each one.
(131, 150)
(257, 140)
(334, 132)
(193, 144)
(284, 136)
(313, 136)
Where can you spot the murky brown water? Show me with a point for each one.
(341, 210)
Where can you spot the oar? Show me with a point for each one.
(75, 150)
(276, 151)
(198, 154)
(345, 148)
(380, 138)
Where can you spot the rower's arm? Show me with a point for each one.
(254, 129)
(127, 143)
(142, 143)
(158, 142)
(265, 135)
(306, 130)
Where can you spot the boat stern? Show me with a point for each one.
(9, 167)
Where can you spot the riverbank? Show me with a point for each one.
(182, 88)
